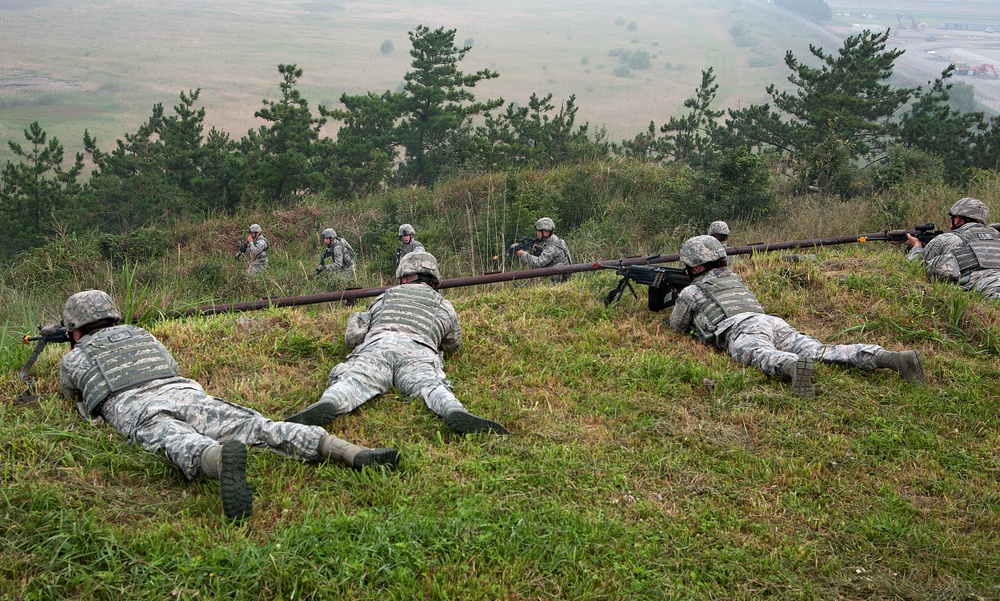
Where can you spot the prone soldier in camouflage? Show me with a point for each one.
(554, 251)
(969, 255)
(125, 376)
(407, 243)
(399, 341)
(338, 249)
(256, 250)
(718, 308)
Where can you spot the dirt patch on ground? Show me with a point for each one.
(23, 80)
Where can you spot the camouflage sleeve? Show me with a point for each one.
(69, 370)
(338, 257)
(357, 328)
(258, 247)
(682, 316)
(940, 259)
(547, 257)
(453, 330)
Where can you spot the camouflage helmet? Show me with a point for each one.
(406, 230)
(718, 227)
(701, 250)
(329, 233)
(88, 307)
(255, 229)
(970, 208)
(545, 224)
(419, 262)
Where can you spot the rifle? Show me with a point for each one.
(243, 248)
(660, 280)
(46, 334)
(925, 233)
(328, 252)
(525, 243)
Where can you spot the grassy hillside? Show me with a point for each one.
(641, 465)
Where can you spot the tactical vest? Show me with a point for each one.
(727, 296)
(123, 357)
(348, 250)
(410, 309)
(980, 249)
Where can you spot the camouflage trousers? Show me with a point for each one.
(768, 342)
(257, 267)
(391, 360)
(182, 420)
(985, 282)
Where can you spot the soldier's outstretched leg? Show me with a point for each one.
(909, 364)
(357, 456)
(228, 463)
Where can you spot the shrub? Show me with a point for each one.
(622, 71)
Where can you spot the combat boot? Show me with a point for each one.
(464, 422)
(356, 456)
(228, 463)
(800, 372)
(317, 414)
(909, 364)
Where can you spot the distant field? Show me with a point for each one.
(102, 64)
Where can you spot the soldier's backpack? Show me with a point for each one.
(349, 254)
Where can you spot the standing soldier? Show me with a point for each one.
(969, 255)
(553, 250)
(125, 376)
(255, 249)
(407, 242)
(399, 341)
(720, 309)
(342, 253)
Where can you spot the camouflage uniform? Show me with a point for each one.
(399, 341)
(969, 256)
(406, 248)
(554, 251)
(258, 255)
(718, 308)
(753, 337)
(396, 342)
(109, 371)
(343, 264)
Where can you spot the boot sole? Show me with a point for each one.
(384, 458)
(237, 496)
(913, 371)
(466, 423)
(802, 384)
(317, 415)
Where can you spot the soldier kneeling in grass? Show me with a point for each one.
(718, 308)
(123, 374)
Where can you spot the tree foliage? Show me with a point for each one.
(437, 105)
(36, 190)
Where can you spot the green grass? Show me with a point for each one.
(642, 464)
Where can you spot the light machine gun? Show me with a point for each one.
(925, 233)
(664, 283)
(46, 334)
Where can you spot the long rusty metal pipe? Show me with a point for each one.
(523, 274)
